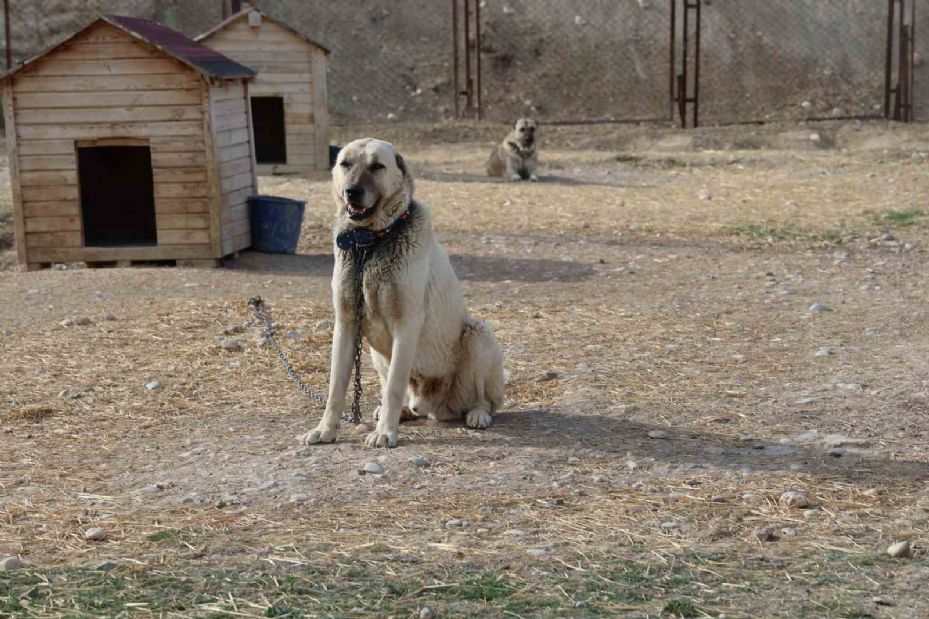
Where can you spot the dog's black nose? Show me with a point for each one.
(354, 193)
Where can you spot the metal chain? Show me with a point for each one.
(263, 315)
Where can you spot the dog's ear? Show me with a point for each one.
(402, 165)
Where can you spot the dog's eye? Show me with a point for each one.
(376, 166)
(345, 164)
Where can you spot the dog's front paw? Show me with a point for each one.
(478, 418)
(516, 177)
(319, 435)
(381, 438)
(533, 178)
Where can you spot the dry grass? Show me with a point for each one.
(647, 306)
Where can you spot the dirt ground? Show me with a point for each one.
(668, 382)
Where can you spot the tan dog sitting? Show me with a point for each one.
(516, 157)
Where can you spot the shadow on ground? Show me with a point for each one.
(471, 268)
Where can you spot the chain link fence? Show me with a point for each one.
(583, 60)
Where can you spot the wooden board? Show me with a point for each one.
(182, 222)
(180, 175)
(19, 225)
(47, 194)
(235, 167)
(118, 98)
(106, 254)
(171, 206)
(53, 178)
(52, 239)
(53, 224)
(101, 83)
(181, 190)
(207, 96)
(47, 162)
(321, 116)
(133, 130)
(66, 66)
(183, 237)
(99, 114)
(55, 208)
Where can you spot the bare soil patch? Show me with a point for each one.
(668, 382)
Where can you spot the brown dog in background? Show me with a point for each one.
(516, 157)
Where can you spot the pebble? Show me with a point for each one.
(815, 137)
(887, 236)
(792, 498)
(8, 333)
(836, 452)
(806, 437)
(106, 566)
(109, 317)
(820, 307)
(746, 438)
(658, 434)
(670, 526)
(426, 613)
(95, 534)
(537, 552)
(825, 351)
(872, 492)
(573, 459)
(883, 600)
(372, 468)
(516, 533)
(419, 461)
(83, 321)
(900, 550)
(232, 345)
(545, 377)
(363, 428)
(323, 324)
(12, 563)
(766, 534)
(751, 497)
(67, 322)
(482, 530)
(454, 522)
(234, 330)
(154, 386)
(718, 498)
(837, 440)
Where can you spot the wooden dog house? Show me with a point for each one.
(129, 142)
(288, 94)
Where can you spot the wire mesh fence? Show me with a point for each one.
(583, 60)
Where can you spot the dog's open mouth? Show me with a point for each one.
(356, 211)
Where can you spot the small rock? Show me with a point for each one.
(900, 550)
(883, 600)
(299, 498)
(220, 504)
(658, 434)
(426, 613)
(872, 492)
(746, 438)
(704, 195)
(372, 468)
(820, 307)
(537, 552)
(232, 345)
(835, 452)
(234, 330)
(837, 440)
(106, 566)
(323, 324)
(454, 522)
(887, 236)
(815, 137)
(573, 459)
(419, 461)
(482, 530)
(67, 322)
(154, 386)
(673, 348)
(751, 497)
(544, 377)
(670, 526)
(766, 534)
(825, 351)
(95, 534)
(792, 498)
(109, 317)
(808, 436)
(718, 498)
(516, 533)
(12, 563)
(83, 321)
(362, 428)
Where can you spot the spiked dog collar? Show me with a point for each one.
(365, 237)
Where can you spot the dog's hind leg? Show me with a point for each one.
(480, 381)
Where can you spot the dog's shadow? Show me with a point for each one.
(546, 179)
(615, 437)
(468, 267)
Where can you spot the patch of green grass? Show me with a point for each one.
(680, 608)
(485, 588)
(900, 218)
(167, 534)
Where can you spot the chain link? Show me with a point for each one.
(263, 315)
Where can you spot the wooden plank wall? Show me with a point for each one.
(105, 86)
(234, 155)
(291, 68)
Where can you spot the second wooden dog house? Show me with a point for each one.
(129, 142)
(288, 94)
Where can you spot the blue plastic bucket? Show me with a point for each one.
(276, 223)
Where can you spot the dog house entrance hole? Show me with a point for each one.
(268, 121)
(117, 195)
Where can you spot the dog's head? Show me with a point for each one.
(371, 184)
(525, 132)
